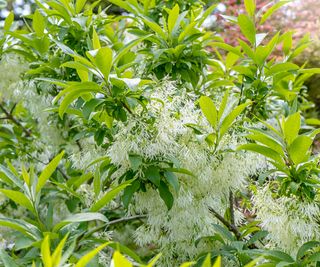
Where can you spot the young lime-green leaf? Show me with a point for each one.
(282, 67)
(103, 61)
(89, 256)
(19, 198)
(25, 175)
(263, 150)
(205, 14)
(299, 149)
(120, 261)
(38, 23)
(80, 5)
(217, 262)
(154, 27)
(250, 6)
(8, 21)
(267, 141)
(247, 27)
(95, 40)
(291, 127)
(271, 10)
(57, 254)
(209, 110)
(48, 171)
(154, 260)
(45, 252)
(230, 118)
(102, 202)
(173, 17)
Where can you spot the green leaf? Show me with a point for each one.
(206, 13)
(80, 5)
(45, 252)
(38, 23)
(247, 27)
(124, 50)
(21, 226)
(172, 180)
(89, 256)
(267, 140)
(230, 118)
(120, 260)
(19, 198)
(48, 171)
(209, 110)
(250, 6)
(291, 127)
(103, 61)
(271, 10)
(165, 194)
(97, 182)
(305, 247)
(155, 27)
(298, 150)
(135, 161)
(172, 18)
(9, 177)
(7, 260)
(263, 150)
(8, 21)
(95, 40)
(102, 202)
(223, 105)
(152, 173)
(80, 217)
(57, 254)
(282, 67)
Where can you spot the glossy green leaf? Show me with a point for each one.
(263, 150)
(48, 171)
(209, 110)
(38, 23)
(250, 6)
(80, 217)
(298, 150)
(110, 195)
(291, 127)
(89, 256)
(247, 27)
(80, 5)
(18, 198)
(230, 118)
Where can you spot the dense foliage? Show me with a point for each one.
(145, 137)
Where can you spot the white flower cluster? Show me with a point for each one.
(289, 221)
(175, 231)
(13, 89)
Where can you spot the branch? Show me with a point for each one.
(231, 202)
(9, 116)
(229, 225)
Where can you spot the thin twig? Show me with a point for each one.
(231, 207)
(9, 116)
(230, 226)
